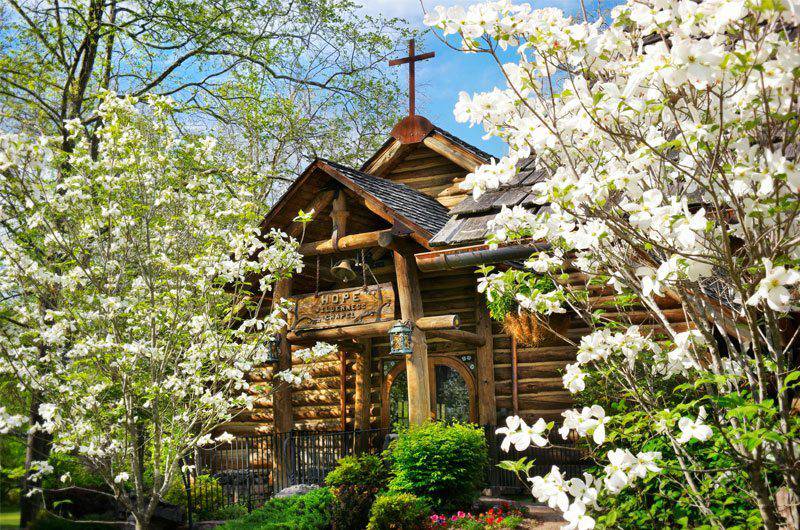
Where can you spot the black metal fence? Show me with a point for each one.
(251, 469)
(570, 460)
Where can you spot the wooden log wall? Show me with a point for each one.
(429, 172)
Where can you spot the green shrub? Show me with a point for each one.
(228, 512)
(302, 512)
(355, 483)
(206, 494)
(398, 511)
(444, 464)
(366, 470)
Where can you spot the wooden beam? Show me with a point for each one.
(374, 329)
(362, 394)
(453, 152)
(388, 159)
(379, 238)
(282, 397)
(417, 372)
(320, 202)
(343, 389)
(487, 404)
(458, 335)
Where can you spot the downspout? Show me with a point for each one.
(452, 259)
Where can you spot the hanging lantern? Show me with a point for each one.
(273, 349)
(400, 339)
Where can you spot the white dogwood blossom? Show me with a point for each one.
(136, 286)
(663, 140)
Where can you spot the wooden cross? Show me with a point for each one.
(411, 59)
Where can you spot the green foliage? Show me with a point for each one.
(206, 492)
(228, 512)
(662, 500)
(398, 511)
(355, 483)
(365, 470)
(503, 288)
(301, 512)
(79, 474)
(443, 464)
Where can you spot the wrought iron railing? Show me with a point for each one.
(251, 469)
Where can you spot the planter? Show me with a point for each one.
(531, 329)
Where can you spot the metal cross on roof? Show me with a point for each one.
(411, 59)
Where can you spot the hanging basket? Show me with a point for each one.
(531, 329)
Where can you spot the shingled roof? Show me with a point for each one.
(469, 219)
(414, 205)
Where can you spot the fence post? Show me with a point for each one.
(186, 477)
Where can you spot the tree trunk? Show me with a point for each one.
(37, 448)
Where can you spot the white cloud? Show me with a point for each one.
(409, 9)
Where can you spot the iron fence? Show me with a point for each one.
(570, 460)
(251, 469)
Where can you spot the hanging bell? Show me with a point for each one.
(343, 271)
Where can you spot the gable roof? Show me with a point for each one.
(421, 209)
(392, 201)
(446, 144)
(468, 223)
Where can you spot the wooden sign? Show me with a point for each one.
(343, 307)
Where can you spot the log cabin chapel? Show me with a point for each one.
(392, 249)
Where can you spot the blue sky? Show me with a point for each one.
(439, 80)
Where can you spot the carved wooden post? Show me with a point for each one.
(282, 397)
(363, 362)
(419, 400)
(487, 405)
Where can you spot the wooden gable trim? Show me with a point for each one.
(387, 158)
(372, 203)
(393, 151)
(452, 151)
(418, 233)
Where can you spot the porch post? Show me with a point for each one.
(363, 364)
(282, 398)
(487, 404)
(419, 401)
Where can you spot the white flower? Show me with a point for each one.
(577, 519)
(573, 379)
(772, 287)
(225, 437)
(644, 464)
(620, 461)
(694, 429)
(511, 428)
(9, 421)
(551, 489)
(122, 477)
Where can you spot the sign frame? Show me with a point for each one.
(342, 307)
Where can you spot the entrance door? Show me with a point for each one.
(452, 388)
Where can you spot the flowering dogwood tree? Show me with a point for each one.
(119, 269)
(667, 137)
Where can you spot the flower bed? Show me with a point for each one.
(504, 515)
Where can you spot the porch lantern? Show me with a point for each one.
(273, 349)
(400, 339)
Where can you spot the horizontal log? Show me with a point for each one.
(457, 335)
(375, 329)
(440, 322)
(379, 238)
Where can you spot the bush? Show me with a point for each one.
(206, 493)
(398, 511)
(228, 512)
(355, 483)
(444, 464)
(302, 512)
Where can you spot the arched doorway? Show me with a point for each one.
(452, 388)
